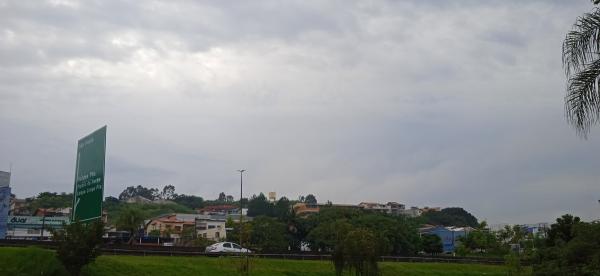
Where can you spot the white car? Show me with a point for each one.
(226, 247)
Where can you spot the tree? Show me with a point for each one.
(130, 219)
(229, 198)
(282, 209)
(51, 200)
(190, 201)
(572, 248)
(78, 244)
(327, 235)
(581, 61)
(432, 244)
(562, 231)
(481, 240)
(140, 190)
(268, 235)
(310, 199)
(168, 192)
(259, 206)
(234, 235)
(222, 197)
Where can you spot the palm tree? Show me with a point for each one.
(581, 61)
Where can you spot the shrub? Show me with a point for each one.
(79, 244)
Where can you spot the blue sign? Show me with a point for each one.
(4, 207)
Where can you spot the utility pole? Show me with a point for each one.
(244, 270)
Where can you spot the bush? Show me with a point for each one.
(79, 244)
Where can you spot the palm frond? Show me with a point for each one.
(582, 44)
(582, 102)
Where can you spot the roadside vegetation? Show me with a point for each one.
(569, 247)
(18, 261)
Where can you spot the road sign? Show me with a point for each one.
(89, 176)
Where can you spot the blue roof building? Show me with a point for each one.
(448, 235)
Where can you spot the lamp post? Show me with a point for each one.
(244, 269)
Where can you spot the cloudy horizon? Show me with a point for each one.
(426, 104)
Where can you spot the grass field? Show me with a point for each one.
(34, 261)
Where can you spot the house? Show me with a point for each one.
(412, 212)
(177, 225)
(52, 212)
(218, 210)
(19, 207)
(373, 206)
(211, 228)
(392, 208)
(303, 209)
(449, 235)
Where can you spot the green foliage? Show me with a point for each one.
(432, 244)
(190, 201)
(582, 67)
(327, 235)
(130, 219)
(234, 234)
(563, 230)
(131, 191)
(51, 200)
(482, 241)
(450, 217)
(462, 250)
(260, 206)
(310, 199)
(268, 235)
(148, 210)
(78, 244)
(168, 192)
(572, 248)
(283, 209)
(397, 234)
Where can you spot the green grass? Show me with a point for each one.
(32, 261)
(29, 261)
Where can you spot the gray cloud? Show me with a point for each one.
(423, 102)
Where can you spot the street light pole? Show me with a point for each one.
(241, 217)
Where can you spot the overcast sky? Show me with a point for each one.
(426, 103)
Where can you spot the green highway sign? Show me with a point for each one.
(89, 176)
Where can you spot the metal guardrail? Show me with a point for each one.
(138, 250)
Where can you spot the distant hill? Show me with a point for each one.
(453, 216)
